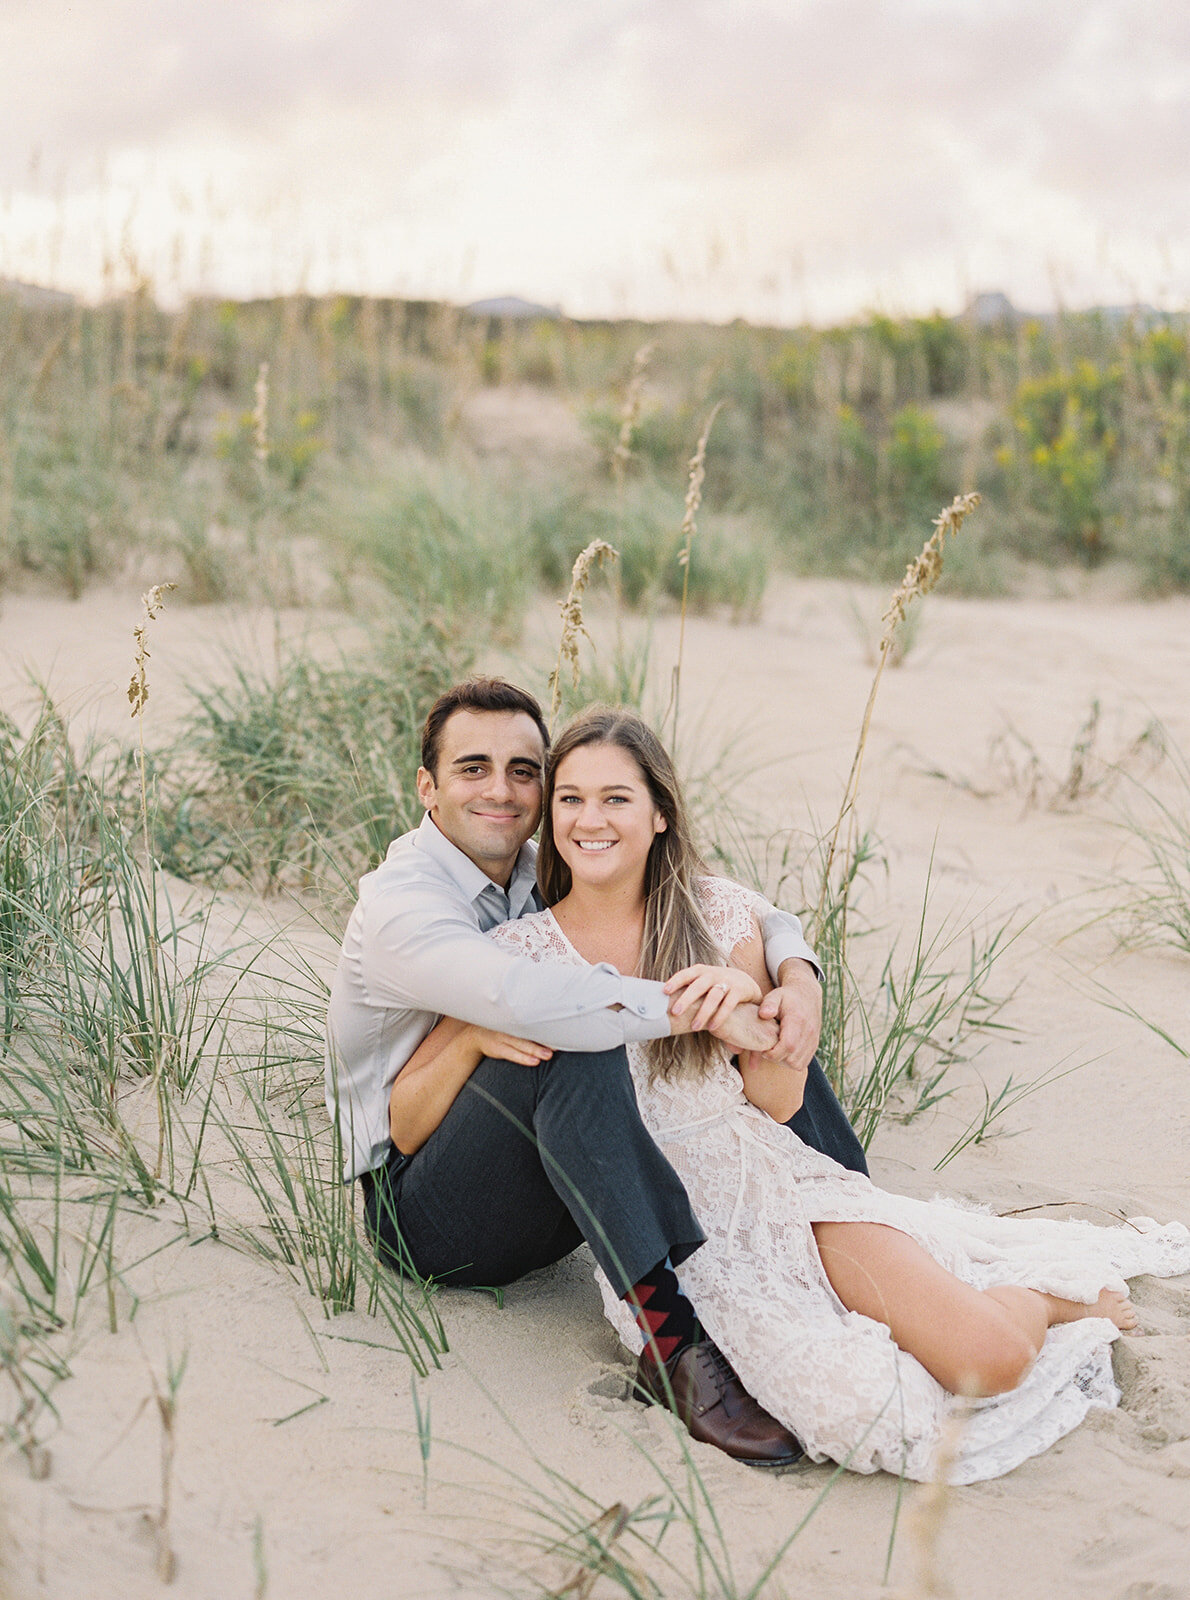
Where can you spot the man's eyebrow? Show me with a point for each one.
(514, 761)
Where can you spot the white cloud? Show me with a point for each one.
(778, 154)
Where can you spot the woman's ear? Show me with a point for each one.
(659, 823)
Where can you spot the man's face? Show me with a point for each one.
(486, 795)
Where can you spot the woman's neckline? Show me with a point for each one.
(586, 960)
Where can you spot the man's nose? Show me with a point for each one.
(499, 786)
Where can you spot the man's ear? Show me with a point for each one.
(427, 789)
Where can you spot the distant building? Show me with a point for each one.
(33, 295)
(513, 309)
(992, 309)
(989, 308)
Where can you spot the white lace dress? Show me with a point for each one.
(831, 1375)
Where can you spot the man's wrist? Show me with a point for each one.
(795, 970)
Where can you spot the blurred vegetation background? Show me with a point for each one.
(349, 450)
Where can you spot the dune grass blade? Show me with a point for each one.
(290, 1162)
(1154, 903)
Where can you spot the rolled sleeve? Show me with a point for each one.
(783, 939)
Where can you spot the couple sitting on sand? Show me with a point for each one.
(633, 1067)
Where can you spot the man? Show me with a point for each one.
(516, 1162)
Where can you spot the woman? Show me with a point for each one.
(854, 1316)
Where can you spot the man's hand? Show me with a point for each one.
(796, 1006)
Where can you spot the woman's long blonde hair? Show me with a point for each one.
(675, 933)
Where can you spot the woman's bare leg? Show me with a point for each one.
(974, 1342)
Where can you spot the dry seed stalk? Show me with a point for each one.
(260, 417)
(927, 1515)
(167, 1414)
(138, 694)
(920, 577)
(572, 617)
(630, 415)
(602, 1533)
(47, 364)
(698, 471)
(138, 689)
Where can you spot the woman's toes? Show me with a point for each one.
(1118, 1308)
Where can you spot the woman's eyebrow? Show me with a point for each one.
(608, 788)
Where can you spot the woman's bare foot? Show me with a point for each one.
(1113, 1305)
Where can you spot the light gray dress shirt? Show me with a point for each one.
(415, 951)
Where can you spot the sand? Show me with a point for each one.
(297, 1469)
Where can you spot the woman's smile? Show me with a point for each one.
(604, 818)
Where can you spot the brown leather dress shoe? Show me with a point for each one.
(700, 1387)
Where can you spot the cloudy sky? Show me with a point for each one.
(775, 159)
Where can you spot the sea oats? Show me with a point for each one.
(922, 574)
(572, 617)
(138, 689)
(630, 415)
(698, 471)
(920, 577)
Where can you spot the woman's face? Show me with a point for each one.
(603, 816)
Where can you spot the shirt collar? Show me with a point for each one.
(473, 880)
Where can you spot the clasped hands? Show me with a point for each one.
(782, 1025)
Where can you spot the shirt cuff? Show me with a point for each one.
(783, 941)
(646, 1010)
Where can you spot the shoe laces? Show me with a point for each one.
(721, 1368)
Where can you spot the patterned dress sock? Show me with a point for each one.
(663, 1313)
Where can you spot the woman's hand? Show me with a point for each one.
(715, 991)
(506, 1046)
(427, 1085)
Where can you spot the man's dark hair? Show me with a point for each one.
(475, 694)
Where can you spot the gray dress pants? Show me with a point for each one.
(527, 1163)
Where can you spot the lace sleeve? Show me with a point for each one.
(514, 935)
(538, 937)
(730, 911)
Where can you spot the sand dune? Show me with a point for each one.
(298, 1470)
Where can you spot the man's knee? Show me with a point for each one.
(598, 1078)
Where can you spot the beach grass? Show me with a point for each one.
(160, 1053)
(279, 447)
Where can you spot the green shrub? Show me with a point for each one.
(303, 775)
